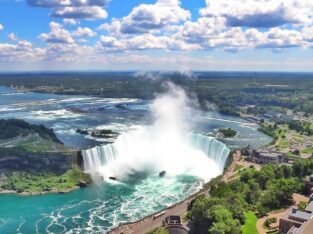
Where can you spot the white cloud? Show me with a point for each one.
(64, 3)
(226, 25)
(57, 34)
(84, 32)
(90, 13)
(20, 51)
(70, 21)
(260, 13)
(74, 9)
(148, 17)
(12, 37)
(1, 27)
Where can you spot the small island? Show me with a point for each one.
(105, 133)
(227, 132)
(82, 132)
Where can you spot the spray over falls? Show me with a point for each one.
(168, 145)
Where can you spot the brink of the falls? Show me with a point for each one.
(167, 145)
(139, 152)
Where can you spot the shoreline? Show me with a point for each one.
(132, 227)
(28, 194)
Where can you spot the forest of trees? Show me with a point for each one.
(259, 191)
(227, 91)
(11, 128)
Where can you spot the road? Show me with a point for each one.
(16, 140)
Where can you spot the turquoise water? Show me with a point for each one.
(95, 209)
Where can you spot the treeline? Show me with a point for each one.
(301, 127)
(269, 130)
(259, 191)
(226, 90)
(227, 132)
(11, 128)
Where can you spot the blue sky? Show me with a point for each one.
(256, 35)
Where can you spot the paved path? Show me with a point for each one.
(260, 222)
(16, 140)
(297, 198)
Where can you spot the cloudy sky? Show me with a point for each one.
(222, 35)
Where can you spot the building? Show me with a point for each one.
(309, 208)
(305, 228)
(269, 157)
(293, 219)
(174, 225)
(264, 157)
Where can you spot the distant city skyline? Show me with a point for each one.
(186, 35)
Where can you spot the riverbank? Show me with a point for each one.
(12, 192)
(25, 184)
(156, 220)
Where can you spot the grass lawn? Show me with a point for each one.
(158, 231)
(238, 167)
(307, 151)
(37, 145)
(250, 225)
(25, 182)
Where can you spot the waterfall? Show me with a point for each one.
(138, 151)
(214, 149)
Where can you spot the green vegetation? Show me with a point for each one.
(271, 188)
(250, 223)
(302, 205)
(302, 127)
(44, 182)
(19, 138)
(289, 134)
(307, 151)
(230, 92)
(269, 221)
(270, 130)
(39, 145)
(227, 132)
(238, 167)
(158, 231)
(13, 128)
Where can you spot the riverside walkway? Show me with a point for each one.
(155, 220)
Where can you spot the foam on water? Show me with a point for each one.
(167, 145)
(53, 115)
(138, 152)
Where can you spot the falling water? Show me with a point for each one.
(166, 145)
(199, 156)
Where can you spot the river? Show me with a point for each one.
(100, 207)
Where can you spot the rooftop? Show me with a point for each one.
(309, 207)
(297, 214)
(306, 228)
(270, 154)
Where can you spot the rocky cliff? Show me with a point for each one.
(56, 163)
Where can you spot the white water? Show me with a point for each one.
(137, 152)
(167, 145)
